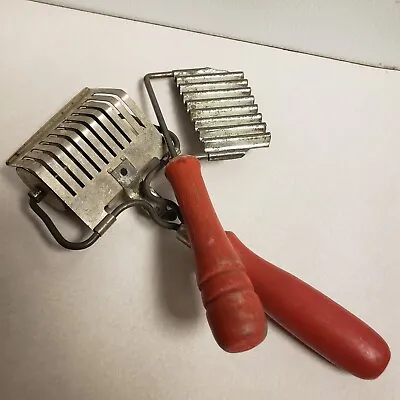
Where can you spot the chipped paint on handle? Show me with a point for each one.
(234, 311)
(315, 319)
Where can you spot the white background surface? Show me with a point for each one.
(123, 320)
(366, 31)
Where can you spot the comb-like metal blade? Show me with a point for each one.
(223, 111)
(84, 153)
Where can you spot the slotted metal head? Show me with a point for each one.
(223, 111)
(98, 147)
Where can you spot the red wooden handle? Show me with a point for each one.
(234, 311)
(314, 318)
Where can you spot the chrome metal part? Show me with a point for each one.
(78, 159)
(223, 111)
(105, 224)
(182, 236)
(92, 239)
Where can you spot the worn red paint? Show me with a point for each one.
(234, 311)
(314, 318)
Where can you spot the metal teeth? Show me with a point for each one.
(235, 131)
(229, 120)
(216, 77)
(237, 145)
(105, 119)
(99, 129)
(196, 71)
(65, 160)
(216, 94)
(96, 141)
(74, 151)
(207, 86)
(223, 111)
(77, 142)
(220, 103)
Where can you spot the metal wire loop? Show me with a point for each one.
(57, 234)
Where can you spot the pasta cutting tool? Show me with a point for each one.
(97, 157)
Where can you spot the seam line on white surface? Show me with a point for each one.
(272, 46)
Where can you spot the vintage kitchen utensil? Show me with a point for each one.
(312, 317)
(68, 154)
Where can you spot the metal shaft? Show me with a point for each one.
(157, 110)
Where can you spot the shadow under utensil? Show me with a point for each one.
(26, 332)
(178, 293)
(10, 175)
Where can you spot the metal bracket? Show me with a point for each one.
(125, 173)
